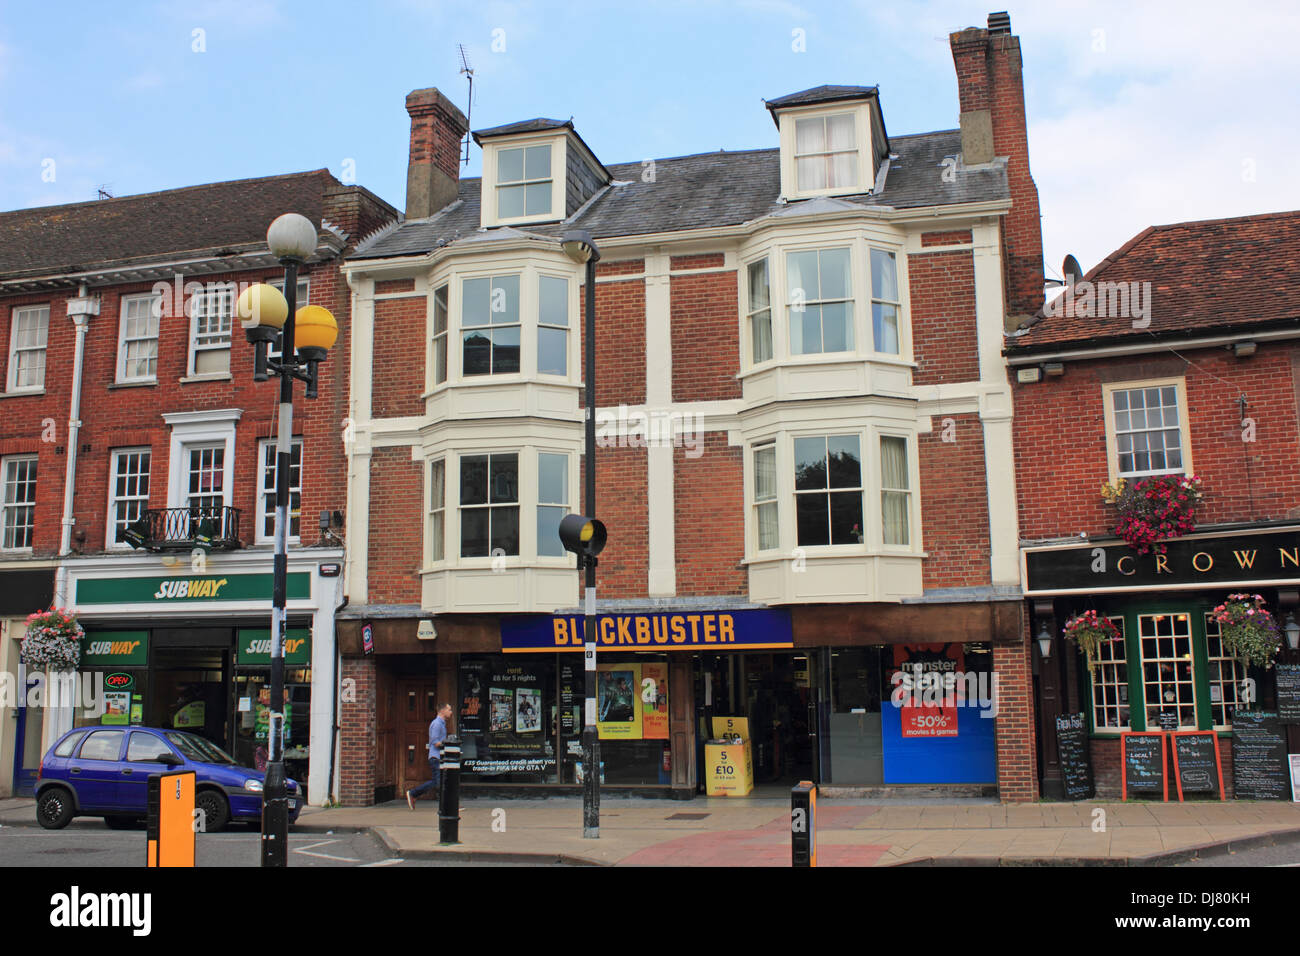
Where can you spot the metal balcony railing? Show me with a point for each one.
(181, 529)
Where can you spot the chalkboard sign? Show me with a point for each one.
(1197, 768)
(1288, 693)
(1072, 749)
(1142, 767)
(1168, 719)
(1258, 756)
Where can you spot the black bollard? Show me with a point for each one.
(449, 793)
(803, 824)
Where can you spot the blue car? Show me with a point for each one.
(104, 772)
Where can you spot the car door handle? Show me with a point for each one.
(127, 772)
(75, 770)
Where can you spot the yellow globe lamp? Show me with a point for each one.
(261, 309)
(314, 332)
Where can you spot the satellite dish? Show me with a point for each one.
(1071, 268)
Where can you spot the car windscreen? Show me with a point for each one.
(196, 748)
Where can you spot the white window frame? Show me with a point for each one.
(567, 328)
(1112, 671)
(124, 340)
(1112, 436)
(440, 337)
(757, 504)
(198, 302)
(1174, 661)
(437, 512)
(862, 137)
(863, 489)
(110, 540)
(1229, 689)
(559, 144)
(266, 497)
(854, 333)
(827, 152)
(7, 508)
(14, 350)
(520, 504)
(751, 313)
(521, 324)
(539, 504)
(877, 299)
(910, 491)
(199, 428)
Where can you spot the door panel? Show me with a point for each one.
(417, 703)
(95, 770)
(133, 781)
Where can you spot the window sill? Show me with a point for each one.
(822, 552)
(143, 383)
(827, 358)
(505, 378)
(20, 392)
(206, 377)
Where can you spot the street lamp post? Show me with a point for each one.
(264, 313)
(581, 248)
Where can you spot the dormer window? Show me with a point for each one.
(524, 182)
(825, 152)
(833, 141)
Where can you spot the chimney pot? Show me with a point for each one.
(999, 22)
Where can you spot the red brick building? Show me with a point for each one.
(1175, 356)
(804, 450)
(128, 399)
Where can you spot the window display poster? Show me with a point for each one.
(618, 705)
(571, 691)
(502, 711)
(927, 689)
(528, 710)
(117, 705)
(654, 701)
(471, 699)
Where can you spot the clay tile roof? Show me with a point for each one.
(1216, 275)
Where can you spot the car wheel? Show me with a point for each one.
(216, 811)
(54, 808)
(121, 823)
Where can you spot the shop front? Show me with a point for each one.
(191, 652)
(848, 697)
(1167, 669)
(23, 590)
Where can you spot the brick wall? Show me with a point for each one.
(624, 564)
(357, 733)
(706, 349)
(1017, 763)
(944, 342)
(954, 504)
(396, 527)
(115, 416)
(1060, 438)
(709, 510)
(620, 340)
(397, 366)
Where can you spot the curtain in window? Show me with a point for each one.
(765, 494)
(893, 478)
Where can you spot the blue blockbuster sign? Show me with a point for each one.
(657, 631)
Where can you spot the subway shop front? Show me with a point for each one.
(191, 651)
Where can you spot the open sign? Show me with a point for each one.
(119, 681)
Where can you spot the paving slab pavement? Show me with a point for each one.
(850, 831)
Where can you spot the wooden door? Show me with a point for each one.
(386, 735)
(417, 705)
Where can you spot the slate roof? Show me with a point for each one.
(822, 94)
(709, 190)
(174, 223)
(1214, 275)
(523, 126)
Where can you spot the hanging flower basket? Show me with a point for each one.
(1154, 509)
(1248, 630)
(1089, 631)
(53, 640)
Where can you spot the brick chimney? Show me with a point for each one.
(991, 91)
(437, 128)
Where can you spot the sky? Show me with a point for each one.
(1139, 113)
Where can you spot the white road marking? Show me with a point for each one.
(312, 846)
(389, 862)
(326, 856)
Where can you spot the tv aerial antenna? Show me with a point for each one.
(468, 71)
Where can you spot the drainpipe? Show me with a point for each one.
(59, 719)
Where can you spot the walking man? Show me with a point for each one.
(437, 737)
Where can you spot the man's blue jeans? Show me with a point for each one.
(434, 766)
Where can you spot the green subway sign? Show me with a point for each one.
(177, 589)
(115, 649)
(253, 646)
